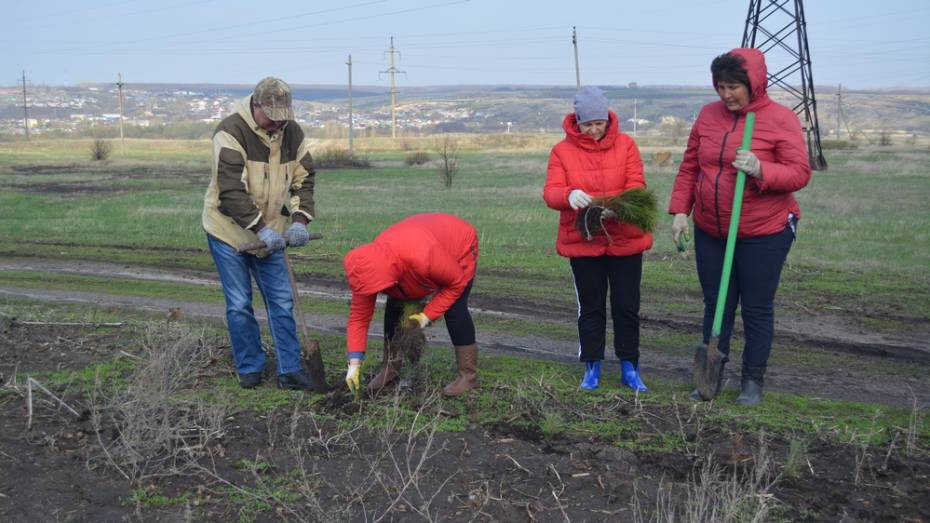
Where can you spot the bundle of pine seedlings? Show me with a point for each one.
(409, 340)
(637, 207)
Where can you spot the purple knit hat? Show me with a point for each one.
(590, 104)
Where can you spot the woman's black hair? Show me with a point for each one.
(729, 68)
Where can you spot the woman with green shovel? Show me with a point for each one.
(775, 162)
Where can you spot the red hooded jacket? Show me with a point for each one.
(604, 167)
(410, 260)
(706, 181)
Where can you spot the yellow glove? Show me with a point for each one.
(421, 319)
(352, 378)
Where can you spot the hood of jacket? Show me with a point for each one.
(585, 141)
(756, 70)
(244, 109)
(371, 268)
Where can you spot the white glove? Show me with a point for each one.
(747, 162)
(579, 199)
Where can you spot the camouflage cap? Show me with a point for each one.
(273, 95)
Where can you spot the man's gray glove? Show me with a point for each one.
(748, 162)
(273, 240)
(297, 234)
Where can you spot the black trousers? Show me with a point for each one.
(458, 320)
(594, 276)
(757, 264)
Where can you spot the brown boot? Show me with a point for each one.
(467, 359)
(389, 372)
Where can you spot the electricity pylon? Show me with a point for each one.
(778, 29)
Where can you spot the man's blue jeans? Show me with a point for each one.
(236, 272)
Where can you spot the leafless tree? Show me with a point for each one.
(448, 156)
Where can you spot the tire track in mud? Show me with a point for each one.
(789, 330)
(677, 367)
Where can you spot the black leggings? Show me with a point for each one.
(593, 277)
(458, 319)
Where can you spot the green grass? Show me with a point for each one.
(863, 235)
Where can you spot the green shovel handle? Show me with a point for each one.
(734, 227)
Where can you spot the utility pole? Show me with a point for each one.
(577, 70)
(634, 117)
(392, 71)
(839, 108)
(771, 25)
(25, 107)
(119, 88)
(351, 120)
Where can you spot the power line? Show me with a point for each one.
(392, 71)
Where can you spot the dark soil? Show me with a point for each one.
(504, 472)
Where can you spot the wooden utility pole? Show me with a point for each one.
(839, 109)
(577, 70)
(119, 88)
(393, 71)
(25, 107)
(351, 122)
(634, 117)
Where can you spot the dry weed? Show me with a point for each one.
(147, 429)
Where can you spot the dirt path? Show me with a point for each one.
(826, 331)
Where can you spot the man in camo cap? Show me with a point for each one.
(262, 178)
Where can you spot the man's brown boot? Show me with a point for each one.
(389, 372)
(467, 359)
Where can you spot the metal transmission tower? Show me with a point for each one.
(778, 29)
(393, 71)
(25, 107)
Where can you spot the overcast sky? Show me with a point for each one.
(441, 42)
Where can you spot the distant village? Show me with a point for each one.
(74, 109)
(81, 110)
(184, 111)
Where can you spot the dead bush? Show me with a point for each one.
(448, 156)
(334, 157)
(148, 428)
(714, 494)
(417, 158)
(100, 150)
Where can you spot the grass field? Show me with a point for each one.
(864, 230)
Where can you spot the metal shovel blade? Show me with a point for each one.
(708, 362)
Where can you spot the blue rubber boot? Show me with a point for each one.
(629, 376)
(592, 375)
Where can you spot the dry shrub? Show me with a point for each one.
(147, 429)
(100, 150)
(448, 156)
(714, 494)
(409, 339)
(334, 157)
(417, 158)
(389, 467)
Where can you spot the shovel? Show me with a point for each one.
(310, 348)
(708, 360)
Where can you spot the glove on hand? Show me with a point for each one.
(680, 231)
(579, 199)
(297, 235)
(748, 162)
(421, 319)
(352, 378)
(273, 240)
